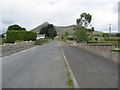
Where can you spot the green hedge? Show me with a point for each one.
(13, 35)
(68, 38)
(112, 39)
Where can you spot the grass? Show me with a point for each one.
(45, 42)
(117, 48)
(102, 42)
(61, 41)
(0, 41)
(70, 82)
(115, 43)
(19, 41)
(42, 41)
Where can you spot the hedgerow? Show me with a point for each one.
(13, 35)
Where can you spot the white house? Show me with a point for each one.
(41, 36)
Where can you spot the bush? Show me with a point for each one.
(70, 38)
(112, 39)
(117, 35)
(13, 35)
(98, 42)
(81, 34)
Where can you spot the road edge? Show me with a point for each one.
(24, 50)
(75, 84)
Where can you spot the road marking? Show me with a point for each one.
(69, 69)
(17, 53)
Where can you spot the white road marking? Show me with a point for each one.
(70, 70)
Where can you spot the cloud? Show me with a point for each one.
(31, 13)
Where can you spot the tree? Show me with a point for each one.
(84, 20)
(81, 34)
(92, 28)
(44, 30)
(105, 35)
(24, 29)
(78, 21)
(49, 31)
(66, 33)
(15, 27)
(2, 36)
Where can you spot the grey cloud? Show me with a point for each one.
(4, 21)
(30, 13)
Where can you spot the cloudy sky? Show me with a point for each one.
(31, 13)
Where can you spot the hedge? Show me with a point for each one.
(13, 35)
(112, 39)
(69, 38)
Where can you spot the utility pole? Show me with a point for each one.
(110, 30)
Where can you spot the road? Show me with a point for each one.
(91, 70)
(39, 67)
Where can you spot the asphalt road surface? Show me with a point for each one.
(39, 67)
(91, 70)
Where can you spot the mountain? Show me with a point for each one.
(38, 28)
(60, 29)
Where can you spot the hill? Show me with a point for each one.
(60, 29)
(38, 28)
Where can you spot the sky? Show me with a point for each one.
(32, 13)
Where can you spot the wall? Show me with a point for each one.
(105, 50)
(8, 49)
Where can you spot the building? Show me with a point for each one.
(42, 36)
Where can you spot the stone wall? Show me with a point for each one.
(105, 50)
(8, 49)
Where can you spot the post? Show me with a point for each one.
(110, 30)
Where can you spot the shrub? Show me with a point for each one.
(13, 35)
(117, 35)
(70, 38)
(112, 39)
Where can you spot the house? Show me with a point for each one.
(42, 36)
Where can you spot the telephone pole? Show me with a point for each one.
(110, 30)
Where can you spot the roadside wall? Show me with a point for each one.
(8, 49)
(105, 50)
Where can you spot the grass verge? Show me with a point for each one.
(45, 42)
(69, 81)
(60, 41)
(42, 41)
